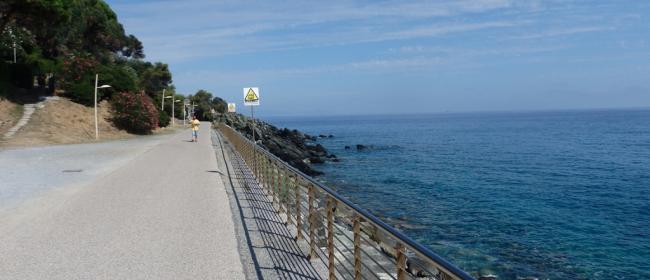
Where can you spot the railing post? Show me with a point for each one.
(312, 224)
(272, 181)
(288, 188)
(298, 208)
(400, 261)
(267, 173)
(282, 180)
(247, 152)
(357, 247)
(256, 162)
(330, 238)
(262, 168)
(276, 171)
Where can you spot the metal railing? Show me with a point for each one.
(350, 242)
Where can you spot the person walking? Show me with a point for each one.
(195, 129)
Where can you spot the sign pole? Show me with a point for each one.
(254, 143)
(252, 98)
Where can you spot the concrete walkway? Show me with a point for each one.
(163, 215)
(29, 109)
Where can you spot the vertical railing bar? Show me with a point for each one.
(276, 185)
(282, 188)
(312, 226)
(400, 261)
(348, 260)
(377, 263)
(344, 257)
(268, 179)
(357, 246)
(342, 265)
(298, 210)
(288, 196)
(330, 237)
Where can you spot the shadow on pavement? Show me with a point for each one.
(274, 251)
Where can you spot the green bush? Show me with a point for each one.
(83, 92)
(163, 119)
(134, 112)
(119, 77)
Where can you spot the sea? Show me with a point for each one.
(552, 195)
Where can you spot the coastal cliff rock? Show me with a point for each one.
(294, 147)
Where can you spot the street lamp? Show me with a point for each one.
(184, 113)
(13, 42)
(192, 110)
(96, 122)
(162, 103)
(173, 111)
(174, 101)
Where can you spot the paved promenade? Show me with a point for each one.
(164, 214)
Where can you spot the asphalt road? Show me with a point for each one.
(159, 212)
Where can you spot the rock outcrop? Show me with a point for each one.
(294, 147)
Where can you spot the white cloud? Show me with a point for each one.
(565, 32)
(177, 31)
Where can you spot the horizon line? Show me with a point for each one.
(451, 112)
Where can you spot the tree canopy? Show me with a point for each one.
(205, 102)
(72, 40)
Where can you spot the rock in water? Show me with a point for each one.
(292, 146)
(486, 274)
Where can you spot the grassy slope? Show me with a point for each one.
(10, 113)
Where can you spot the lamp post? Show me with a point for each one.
(192, 114)
(173, 112)
(13, 41)
(162, 103)
(96, 122)
(173, 101)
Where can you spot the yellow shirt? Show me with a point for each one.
(195, 125)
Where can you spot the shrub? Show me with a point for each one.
(78, 79)
(82, 92)
(134, 112)
(163, 119)
(119, 77)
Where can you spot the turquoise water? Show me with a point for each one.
(559, 195)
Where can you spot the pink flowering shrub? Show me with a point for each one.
(77, 78)
(134, 112)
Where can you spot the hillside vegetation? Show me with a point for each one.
(61, 45)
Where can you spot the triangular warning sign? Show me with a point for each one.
(251, 96)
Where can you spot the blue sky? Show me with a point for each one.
(379, 57)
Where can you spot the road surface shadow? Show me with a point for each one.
(274, 250)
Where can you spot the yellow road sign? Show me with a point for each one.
(251, 96)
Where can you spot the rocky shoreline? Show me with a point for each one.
(299, 149)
